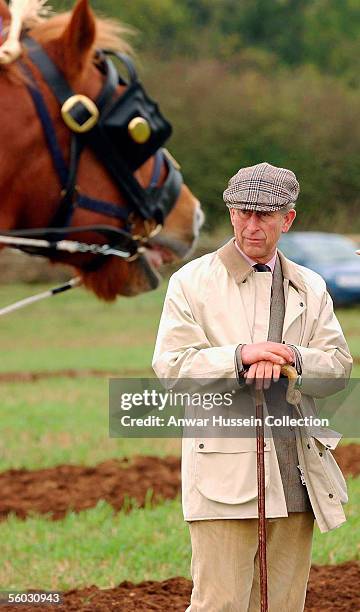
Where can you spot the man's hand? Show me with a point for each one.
(265, 360)
(267, 351)
(262, 373)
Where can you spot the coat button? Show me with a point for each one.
(301, 304)
(331, 495)
(308, 445)
(201, 446)
(320, 454)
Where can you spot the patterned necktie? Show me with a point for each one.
(261, 268)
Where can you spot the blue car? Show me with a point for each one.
(331, 255)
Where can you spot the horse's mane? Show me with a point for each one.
(110, 34)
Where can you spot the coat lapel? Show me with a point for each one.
(238, 269)
(294, 287)
(233, 261)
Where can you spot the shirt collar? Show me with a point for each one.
(252, 262)
(239, 268)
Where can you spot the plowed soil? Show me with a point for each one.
(29, 377)
(348, 458)
(56, 491)
(332, 588)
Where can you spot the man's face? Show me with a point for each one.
(257, 233)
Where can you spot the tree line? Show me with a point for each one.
(323, 33)
(257, 80)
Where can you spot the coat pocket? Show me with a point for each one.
(324, 444)
(225, 469)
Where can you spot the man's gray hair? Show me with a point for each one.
(288, 207)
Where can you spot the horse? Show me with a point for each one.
(32, 192)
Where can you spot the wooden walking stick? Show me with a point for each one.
(260, 465)
(292, 397)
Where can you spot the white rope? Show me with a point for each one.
(74, 282)
(62, 245)
(70, 246)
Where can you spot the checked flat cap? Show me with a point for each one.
(262, 187)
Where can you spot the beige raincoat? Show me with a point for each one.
(213, 303)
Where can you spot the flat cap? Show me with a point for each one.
(262, 187)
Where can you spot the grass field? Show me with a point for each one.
(65, 420)
(99, 547)
(74, 330)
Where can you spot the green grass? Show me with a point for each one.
(341, 544)
(74, 330)
(143, 545)
(64, 420)
(349, 319)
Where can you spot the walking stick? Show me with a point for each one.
(292, 397)
(260, 465)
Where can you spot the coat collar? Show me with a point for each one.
(239, 268)
(234, 262)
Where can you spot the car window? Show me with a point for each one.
(329, 250)
(291, 249)
(323, 249)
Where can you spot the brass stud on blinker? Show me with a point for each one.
(139, 130)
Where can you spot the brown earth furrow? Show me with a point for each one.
(331, 588)
(33, 376)
(24, 377)
(58, 490)
(348, 458)
(64, 488)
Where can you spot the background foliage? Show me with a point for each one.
(244, 82)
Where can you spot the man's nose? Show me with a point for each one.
(253, 222)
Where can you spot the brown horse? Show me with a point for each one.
(29, 187)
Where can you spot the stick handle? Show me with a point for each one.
(289, 371)
(293, 396)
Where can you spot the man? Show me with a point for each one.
(241, 313)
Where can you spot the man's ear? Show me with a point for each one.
(77, 39)
(288, 220)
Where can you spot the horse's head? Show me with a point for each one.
(31, 189)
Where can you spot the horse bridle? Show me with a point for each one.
(140, 131)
